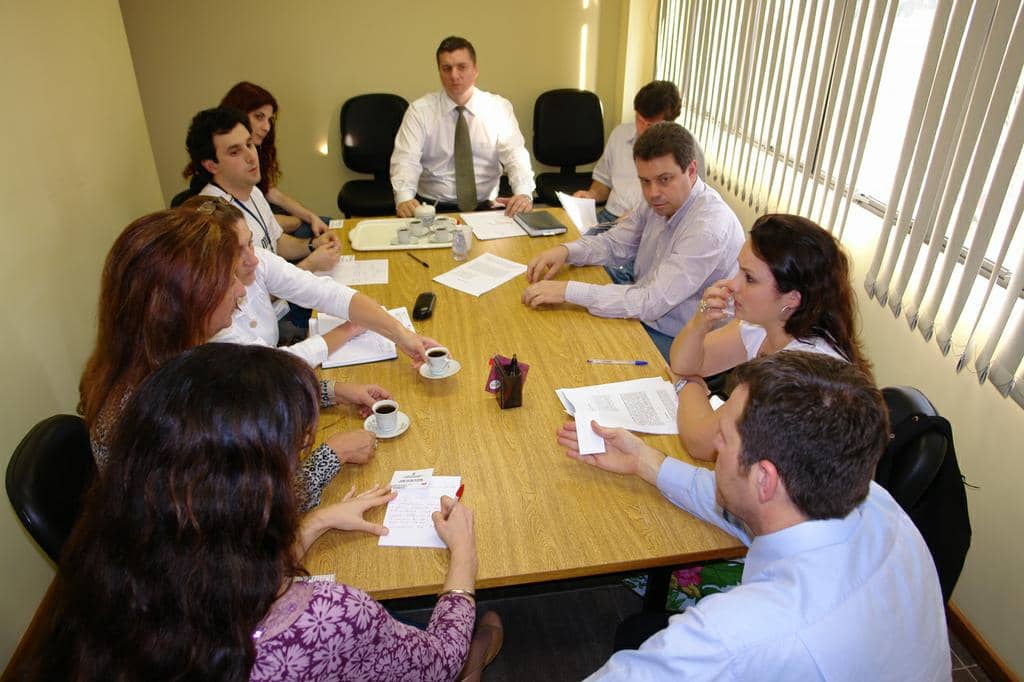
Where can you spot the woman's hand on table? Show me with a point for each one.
(354, 447)
(363, 396)
(624, 452)
(348, 514)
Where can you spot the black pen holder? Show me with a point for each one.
(510, 379)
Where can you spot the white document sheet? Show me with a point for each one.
(367, 347)
(644, 405)
(481, 274)
(352, 272)
(582, 212)
(588, 442)
(407, 517)
(492, 225)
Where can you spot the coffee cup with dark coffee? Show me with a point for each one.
(386, 416)
(437, 358)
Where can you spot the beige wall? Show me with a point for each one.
(79, 168)
(987, 430)
(314, 55)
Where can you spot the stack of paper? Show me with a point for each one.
(492, 225)
(352, 272)
(582, 212)
(408, 516)
(367, 347)
(644, 405)
(481, 274)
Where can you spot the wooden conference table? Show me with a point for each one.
(539, 515)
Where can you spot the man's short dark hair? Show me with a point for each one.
(663, 139)
(452, 43)
(658, 98)
(199, 140)
(820, 421)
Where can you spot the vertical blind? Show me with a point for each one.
(956, 202)
(781, 95)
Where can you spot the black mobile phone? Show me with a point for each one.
(424, 306)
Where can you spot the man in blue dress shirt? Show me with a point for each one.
(838, 584)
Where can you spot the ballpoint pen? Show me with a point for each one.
(638, 363)
(458, 493)
(423, 263)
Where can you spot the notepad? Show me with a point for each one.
(367, 347)
(408, 517)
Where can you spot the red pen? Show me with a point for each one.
(458, 493)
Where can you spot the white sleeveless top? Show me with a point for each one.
(753, 335)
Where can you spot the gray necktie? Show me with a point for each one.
(465, 179)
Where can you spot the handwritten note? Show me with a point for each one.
(352, 272)
(408, 516)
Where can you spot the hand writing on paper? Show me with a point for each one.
(454, 525)
(546, 264)
(542, 293)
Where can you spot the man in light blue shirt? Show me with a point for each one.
(838, 584)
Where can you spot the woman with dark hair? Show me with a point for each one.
(261, 108)
(792, 292)
(184, 561)
(169, 284)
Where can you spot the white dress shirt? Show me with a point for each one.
(616, 170)
(255, 321)
(843, 599)
(258, 216)
(424, 158)
(676, 260)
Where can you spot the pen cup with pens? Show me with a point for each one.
(506, 380)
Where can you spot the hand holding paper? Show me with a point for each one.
(589, 442)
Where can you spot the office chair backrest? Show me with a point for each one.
(568, 128)
(47, 477)
(369, 124)
(920, 471)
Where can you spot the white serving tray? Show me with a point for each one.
(378, 234)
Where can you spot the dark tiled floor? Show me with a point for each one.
(965, 668)
(564, 631)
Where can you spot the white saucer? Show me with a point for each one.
(452, 368)
(370, 424)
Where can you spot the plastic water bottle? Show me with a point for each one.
(462, 240)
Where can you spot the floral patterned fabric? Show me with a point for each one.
(689, 585)
(325, 631)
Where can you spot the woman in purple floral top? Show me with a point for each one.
(183, 563)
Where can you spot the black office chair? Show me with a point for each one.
(920, 471)
(47, 477)
(183, 196)
(369, 124)
(568, 131)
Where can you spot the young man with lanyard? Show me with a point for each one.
(220, 145)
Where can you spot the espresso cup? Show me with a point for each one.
(442, 233)
(386, 415)
(417, 227)
(404, 235)
(437, 359)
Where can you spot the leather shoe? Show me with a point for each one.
(483, 648)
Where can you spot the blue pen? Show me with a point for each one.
(638, 363)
